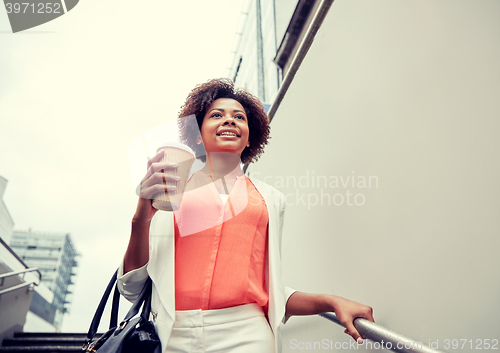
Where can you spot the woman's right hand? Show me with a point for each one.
(153, 185)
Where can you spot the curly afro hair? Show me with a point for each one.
(202, 96)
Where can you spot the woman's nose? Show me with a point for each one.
(228, 120)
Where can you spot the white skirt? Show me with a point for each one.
(239, 329)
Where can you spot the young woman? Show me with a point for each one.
(216, 262)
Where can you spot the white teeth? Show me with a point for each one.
(227, 133)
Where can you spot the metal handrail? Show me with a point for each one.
(10, 274)
(19, 286)
(388, 339)
(22, 285)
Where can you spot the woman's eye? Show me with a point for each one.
(240, 117)
(216, 115)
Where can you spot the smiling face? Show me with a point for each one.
(225, 127)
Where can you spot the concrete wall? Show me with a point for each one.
(405, 92)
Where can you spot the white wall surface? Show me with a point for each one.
(406, 91)
(35, 323)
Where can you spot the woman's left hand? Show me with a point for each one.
(301, 303)
(348, 310)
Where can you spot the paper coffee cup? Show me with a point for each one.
(184, 157)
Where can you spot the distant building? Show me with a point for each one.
(25, 302)
(252, 66)
(6, 222)
(55, 257)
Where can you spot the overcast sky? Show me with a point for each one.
(75, 93)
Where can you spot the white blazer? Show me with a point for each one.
(161, 269)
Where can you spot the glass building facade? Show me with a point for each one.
(252, 67)
(55, 256)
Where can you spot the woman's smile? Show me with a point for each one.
(228, 133)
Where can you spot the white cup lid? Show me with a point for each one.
(177, 145)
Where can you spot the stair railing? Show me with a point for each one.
(386, 338)
(22, 285)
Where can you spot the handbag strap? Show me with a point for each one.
(100, 309)
(144, 296)
(113, 319)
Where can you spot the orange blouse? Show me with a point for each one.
(220, 248)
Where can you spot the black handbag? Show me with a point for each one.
(133, 334)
